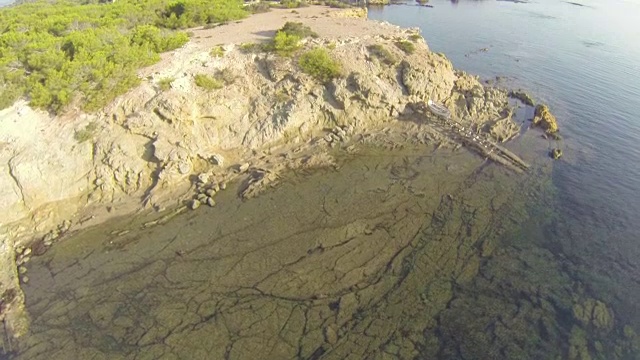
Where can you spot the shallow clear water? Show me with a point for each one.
(585, 62)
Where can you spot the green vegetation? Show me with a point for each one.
(217, 52)
(319, 64)
(406, 46)
(85, 134)
(285, 44)
(381, 53)
(415, 37)
(337, 4)
(259, 7)
(291, 4)
(56, 52)
(298, 29)
(249, 48)
(208, 82)
(287, 39)
(165, 83)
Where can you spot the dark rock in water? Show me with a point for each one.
(522, 96)
(556, 154)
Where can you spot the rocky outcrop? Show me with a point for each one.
(544, 119)
(523, 97)
(149, 139)
(150, 142)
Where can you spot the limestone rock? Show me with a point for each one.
(522, 96)
(426, 78)
(217, 159)
(544, 119)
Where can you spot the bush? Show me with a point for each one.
(406, 46)
(337, 4)
(291, 4)
(86, 134)
(298, 29)
(319, 64)
(259, 7)
(217, 52)
(55, 52)
(208, 82)
(285, 44)
(381, 53)
(165, 83)
(251, 48)
(415, 37)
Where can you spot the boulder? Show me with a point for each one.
(544, 119)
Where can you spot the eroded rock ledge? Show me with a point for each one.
(150, 144)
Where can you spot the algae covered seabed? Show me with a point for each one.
(394, 254)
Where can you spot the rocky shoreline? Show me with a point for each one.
(153, 147)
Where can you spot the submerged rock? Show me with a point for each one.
(522, 96)
(544, 119)
(595, 313)
(556, 154)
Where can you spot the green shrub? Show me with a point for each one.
(415, 37)
(217, 52)
(252, 48)
(285, 44)
(208, 82)
(298, 29)
(165, 83)
(319, 64)
(87, 133)
(259, 7)
(381, 53)
(337, 4)
(292, 4)
(55, 52)
(406, 46)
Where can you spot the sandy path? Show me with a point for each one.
(258, 27)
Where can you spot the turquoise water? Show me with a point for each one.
(585, 62)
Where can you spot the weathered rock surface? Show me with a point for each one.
(544, 119)
(148, 142)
